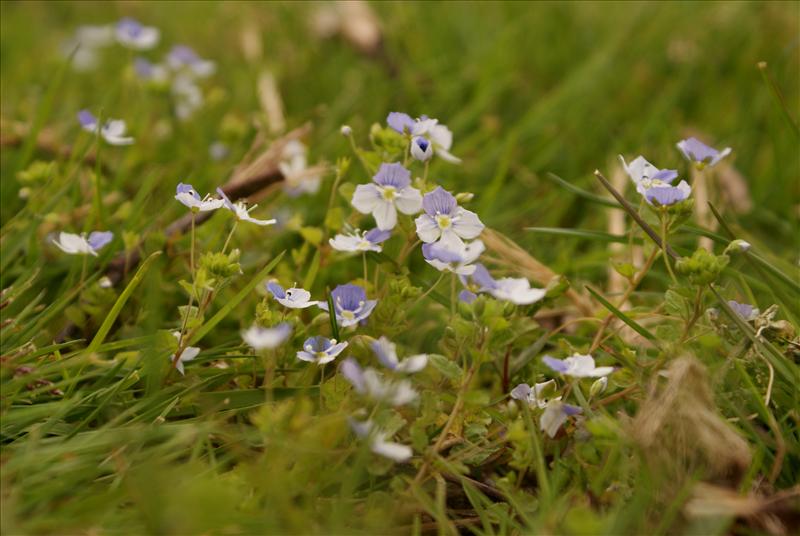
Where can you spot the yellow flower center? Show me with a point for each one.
(348, 315)
(389, 193)
(443, 221)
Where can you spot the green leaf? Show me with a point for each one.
(448, 368)
(622, 316)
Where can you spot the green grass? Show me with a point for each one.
(100, 435)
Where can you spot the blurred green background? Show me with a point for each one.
(527, 88)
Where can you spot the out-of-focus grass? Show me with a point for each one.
(526, 88)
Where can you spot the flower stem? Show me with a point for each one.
(227, 240)
(541, 468)
(364, 261)
(424, 294)
(663, 246)
(192, 251)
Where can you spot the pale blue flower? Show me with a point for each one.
(81, 244)
(293, 298)
(645, 175)
(578, 366)
(113, 130)
(371, 384)
(389, 192)
(458, 259)
(188, 196)
(240, 210)
(744, 310)
(260, 338)
(555, 415)
(536, 395)
(320, 350)
(386, 352)
(445, 221)
(360, 241)
(668, 195)
(378, 442)
(351, 304)
(184, 58)
(131, 34)
(428, 135)
(701, 154)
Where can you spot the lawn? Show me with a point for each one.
(533, 338)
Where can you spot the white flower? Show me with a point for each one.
(260, 338)
(360, 241)
(320, 350)
(378, 443)
(579, 366)
(439, 136)
(131, 34)
(298, 178)
(444, 220)
(386, 352)
(81, 244)
(536, 396)
(188, 354)
(458, 259)
(555, 415)
(370, 383)
(113, 131)
(389, 192)
(516, 290)
(241, 211)
(293, 298)
(645, 175)
(187, 195)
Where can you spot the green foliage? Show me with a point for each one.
(101, 434)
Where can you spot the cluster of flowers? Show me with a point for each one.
(180, 69)
(656, 185)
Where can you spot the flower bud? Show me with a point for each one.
(346, 131)
(738, 246)
(421, 149)
(599, 386)
(464, 197)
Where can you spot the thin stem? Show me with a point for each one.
(227, 240)
(358, 155)
(633, 285)
(541, 468)
(663, 244)
(364, 262)
(696, 312)
(98, 198)
(83, 269)
(453, 294)
(424, 294)
(425, 171)
(192, 251)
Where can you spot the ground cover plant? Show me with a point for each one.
(351, 268)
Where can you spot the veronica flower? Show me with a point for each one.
(293, 298)
(421, 148)
(184, 58)
(351, 304)
(555, 415)
(298, 178)
(467, 296)
(320, 350)
(444, 220)
(645, 175)
(113, 130)
(668, 195)
(81, 244)
(370, 383)
(744, 310)
(578, 366)
(479, 280)
(241, 211)
(150, 72)
(516, 290)
(131, 34)
(391, 191)
(187, 195)
(360, 241)
(84, 45)
(260, 338)
(187, 95)
(378, 442)
(535, 396)
(386, 352)
(701, 154)
(458, 260)
(439, 137)
(188, 354)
